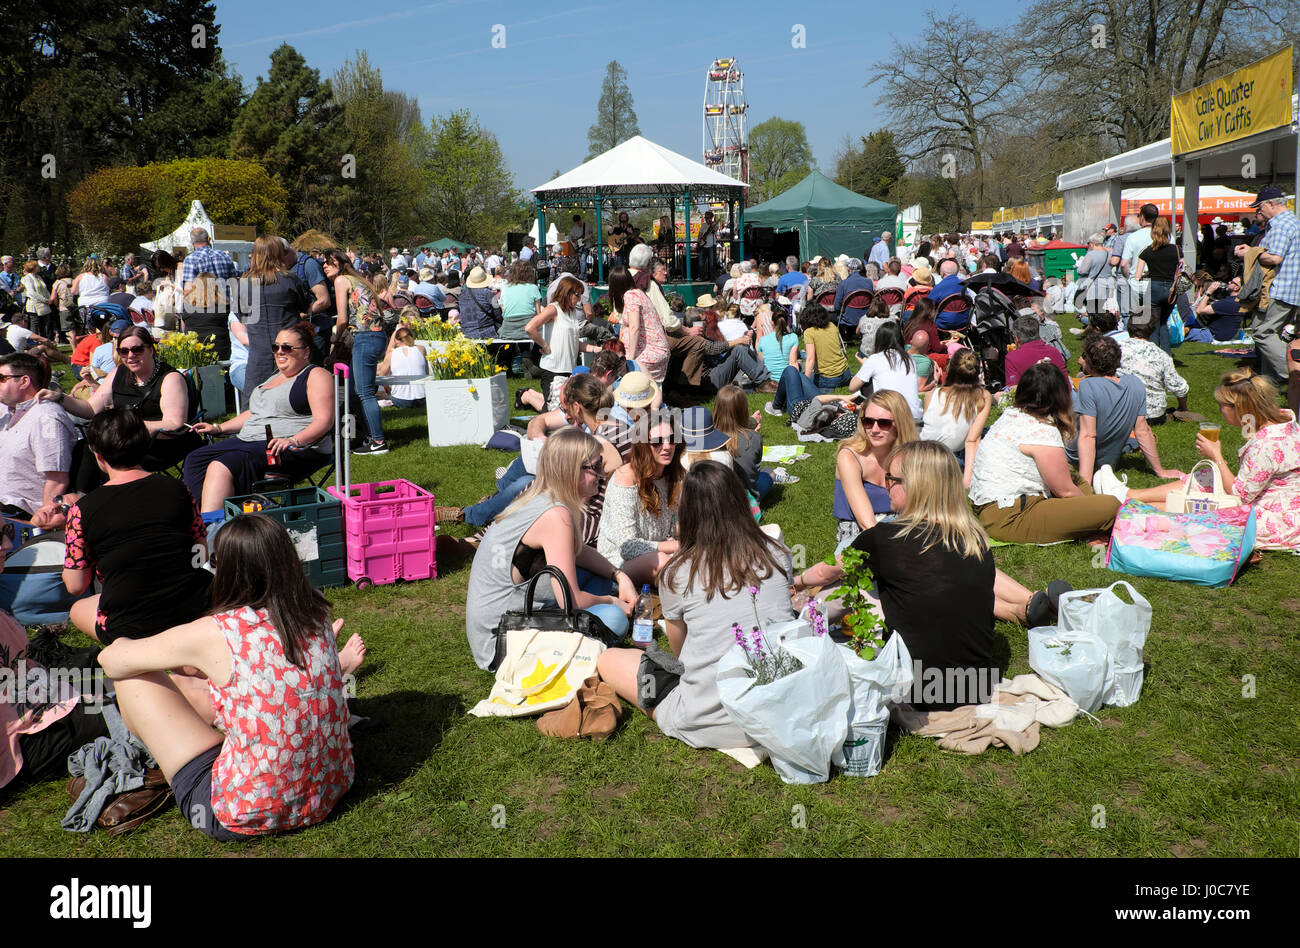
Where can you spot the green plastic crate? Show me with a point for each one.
(314, 520)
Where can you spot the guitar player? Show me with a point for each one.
(707, 247)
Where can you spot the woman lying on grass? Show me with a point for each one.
(276, 684)
(934, 573)
(727, 571)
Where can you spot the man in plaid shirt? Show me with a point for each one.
(1282, 246)
(204, 259)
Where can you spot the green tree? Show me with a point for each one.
(292, 126)
(615, 115)
(779, 156)
(89, 84)
(469, 193)
(123, 206)
(872, 167)
(384, 136)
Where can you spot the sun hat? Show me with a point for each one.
(477, 279)
(698, 430)
(922, 273)
(426, 274)
(706, 301)
(636, 390)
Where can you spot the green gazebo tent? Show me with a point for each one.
(829, 219)
(446, 243)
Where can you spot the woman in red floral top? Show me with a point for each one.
(277, 687)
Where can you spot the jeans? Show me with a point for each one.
(406, 402)
(594, 585)
(792, 387)
(764, 484)
(367, 352)
(739, 359)
(1157, 297)
(510, 486)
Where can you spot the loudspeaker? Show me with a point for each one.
(515, 242)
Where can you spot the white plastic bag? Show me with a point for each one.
(801, 719)
(1120, 626)
(1073, 661)
(886, 678)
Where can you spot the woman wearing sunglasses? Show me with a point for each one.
(543, 527)
(640, 515)
(297, 404)
(935, 577)
(861, 496)
(148, 386)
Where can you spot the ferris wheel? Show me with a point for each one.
(726, 125)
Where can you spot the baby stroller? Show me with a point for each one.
(989, 335)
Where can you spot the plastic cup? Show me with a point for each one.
(1209, 431)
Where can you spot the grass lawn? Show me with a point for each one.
(1194, 768)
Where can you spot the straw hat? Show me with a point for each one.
(477, 279)
(706, 301)
(636, 390)
(922, 273)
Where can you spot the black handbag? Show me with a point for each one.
(563, 618)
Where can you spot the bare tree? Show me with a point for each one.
(947, 93)
(1108, 68)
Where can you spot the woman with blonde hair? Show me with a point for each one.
(956, 413)
(90, 288)
(935, 577)
(861, 496)
(543, 528)
(405, 358)
(1269, 475)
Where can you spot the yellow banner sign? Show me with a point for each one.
(1251, 100)
(981, 225)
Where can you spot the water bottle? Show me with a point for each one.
(643, 623)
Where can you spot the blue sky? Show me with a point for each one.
(539, 93)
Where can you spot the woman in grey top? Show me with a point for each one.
(542, 528)
(727, 572)
(298, 405)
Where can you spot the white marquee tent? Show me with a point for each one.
(198, 217)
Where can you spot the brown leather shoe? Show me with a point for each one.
(768, 387)
(129, 810)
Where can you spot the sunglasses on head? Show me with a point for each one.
(884, 424)
(284, 347)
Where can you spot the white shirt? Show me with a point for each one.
(492, 263)
(884, 376)
(1002, 472)
(398, 263)
(889, 281)
(526, 253)
(19, 338)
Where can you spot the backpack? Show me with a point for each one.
(31, 586)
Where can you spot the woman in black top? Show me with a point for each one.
(140, 535)
(148, 386)
(1159, 263)
(938, 586)
(270, 299)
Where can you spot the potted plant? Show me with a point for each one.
(198, 360)
(465, 394)
(435, 332)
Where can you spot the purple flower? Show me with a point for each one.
(753, 592)
(739, 633)
(757, 637)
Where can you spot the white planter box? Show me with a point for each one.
(212, 391)
(466, 411)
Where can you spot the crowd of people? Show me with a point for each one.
(881, 354)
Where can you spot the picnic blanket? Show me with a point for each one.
(784, 453)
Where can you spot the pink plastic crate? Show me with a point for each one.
(390, 532)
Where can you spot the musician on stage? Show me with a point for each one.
(707, 247)
(620, 239)
(578, 232)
